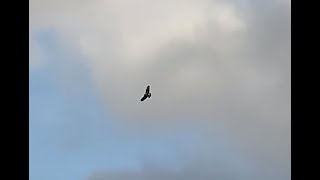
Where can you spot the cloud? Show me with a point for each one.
(36, 55)
(219, 68)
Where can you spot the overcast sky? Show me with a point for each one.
(220, 77)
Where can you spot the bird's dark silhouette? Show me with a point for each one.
(147, 94)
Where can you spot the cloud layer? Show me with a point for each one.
(219, 69)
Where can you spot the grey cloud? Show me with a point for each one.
(245, 87)
(202, 169)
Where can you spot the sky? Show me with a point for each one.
(220, 77)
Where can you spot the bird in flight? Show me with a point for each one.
(147, 94)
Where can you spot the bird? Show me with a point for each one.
(147, 94)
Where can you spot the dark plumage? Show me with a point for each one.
(147, 94)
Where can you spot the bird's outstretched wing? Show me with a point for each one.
(144, 97)
(148, 90)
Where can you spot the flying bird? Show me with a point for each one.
(147, 94)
